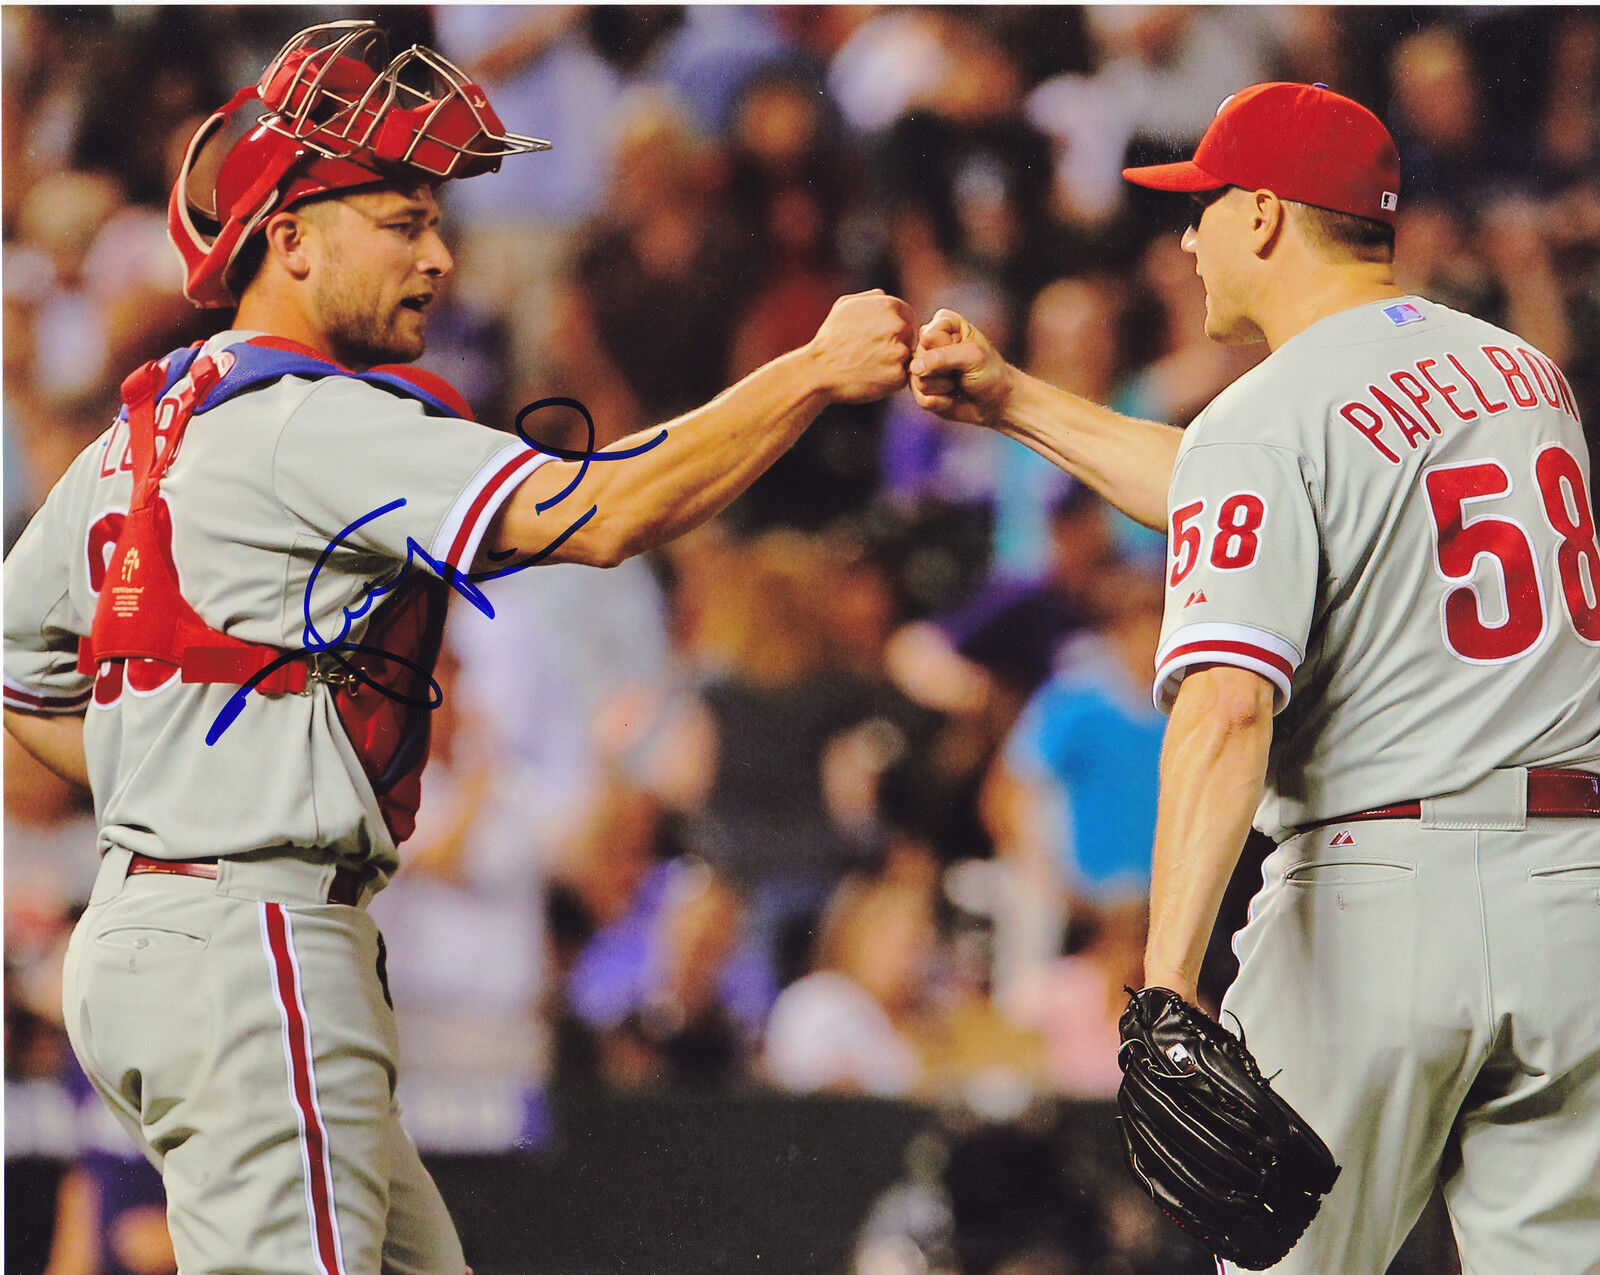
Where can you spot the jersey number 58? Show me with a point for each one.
(1461, 539)
(1233, 543)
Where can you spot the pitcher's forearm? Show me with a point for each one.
(1213, 766)
(1127, 460)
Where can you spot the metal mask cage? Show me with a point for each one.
(325, 90)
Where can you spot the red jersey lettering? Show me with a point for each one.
(1571, 516)
(1460, 541)
(1477, 389)
(1547, 385)
(1411, 429)
(1446, 392)
(1185, 539)
(1239, 520)
(1369, 428)
(1516, 379)
(1418, 393)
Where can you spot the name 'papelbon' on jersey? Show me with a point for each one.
(1469, 386)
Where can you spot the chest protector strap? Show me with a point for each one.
(382, 686)
(142, 613)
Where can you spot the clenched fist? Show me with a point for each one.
(863, 346)
(957, 374)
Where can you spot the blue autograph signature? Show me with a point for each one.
(338, 645)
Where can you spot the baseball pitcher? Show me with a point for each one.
(1382, 642)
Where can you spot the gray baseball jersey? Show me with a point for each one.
(272, 497)
(1389, 518)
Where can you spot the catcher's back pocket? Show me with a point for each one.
(1347, 872)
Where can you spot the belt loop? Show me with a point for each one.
(1498, 803)
(281, 874)
(113, 872)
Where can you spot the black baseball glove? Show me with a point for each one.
(1223, 1156)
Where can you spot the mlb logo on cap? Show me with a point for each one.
(1403, 313)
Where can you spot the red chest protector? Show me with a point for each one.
(146, 632)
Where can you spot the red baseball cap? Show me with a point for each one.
(1300, 141)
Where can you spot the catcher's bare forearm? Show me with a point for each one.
(683, 473)
(1213, 766)
(704, 461)
(1127, 460)
(55, 740)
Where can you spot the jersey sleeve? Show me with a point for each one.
(371, 471)
(1243, 563)
(43, 620)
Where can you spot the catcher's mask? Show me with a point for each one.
(336, 112)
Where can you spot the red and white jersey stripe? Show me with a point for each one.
(469, 518)
(1223, 643)
(35, 701)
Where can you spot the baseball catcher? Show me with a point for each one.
(288, 490)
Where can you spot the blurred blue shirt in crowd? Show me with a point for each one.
(1095, 737)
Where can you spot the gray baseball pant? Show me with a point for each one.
(239, 1029)
(1427, 989)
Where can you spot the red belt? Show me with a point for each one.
(1552, 794)
(345, 887)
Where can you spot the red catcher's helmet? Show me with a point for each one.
(337, 113)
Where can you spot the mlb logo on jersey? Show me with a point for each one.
(1404, 313)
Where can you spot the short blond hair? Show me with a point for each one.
(1337, 235)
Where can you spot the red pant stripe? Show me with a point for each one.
(314, 1158)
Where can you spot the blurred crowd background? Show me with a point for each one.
(853, 791)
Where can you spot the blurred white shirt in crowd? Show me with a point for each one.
(827, 1033)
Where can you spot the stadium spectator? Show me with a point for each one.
(664, 245)
(1070, 801)
(850, 1026)
(1439, 123)
(787, 740)
(547, 80)
(668, 998)
(463, 917)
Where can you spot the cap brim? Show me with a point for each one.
(1184, 176)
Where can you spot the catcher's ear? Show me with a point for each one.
(288, 235)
